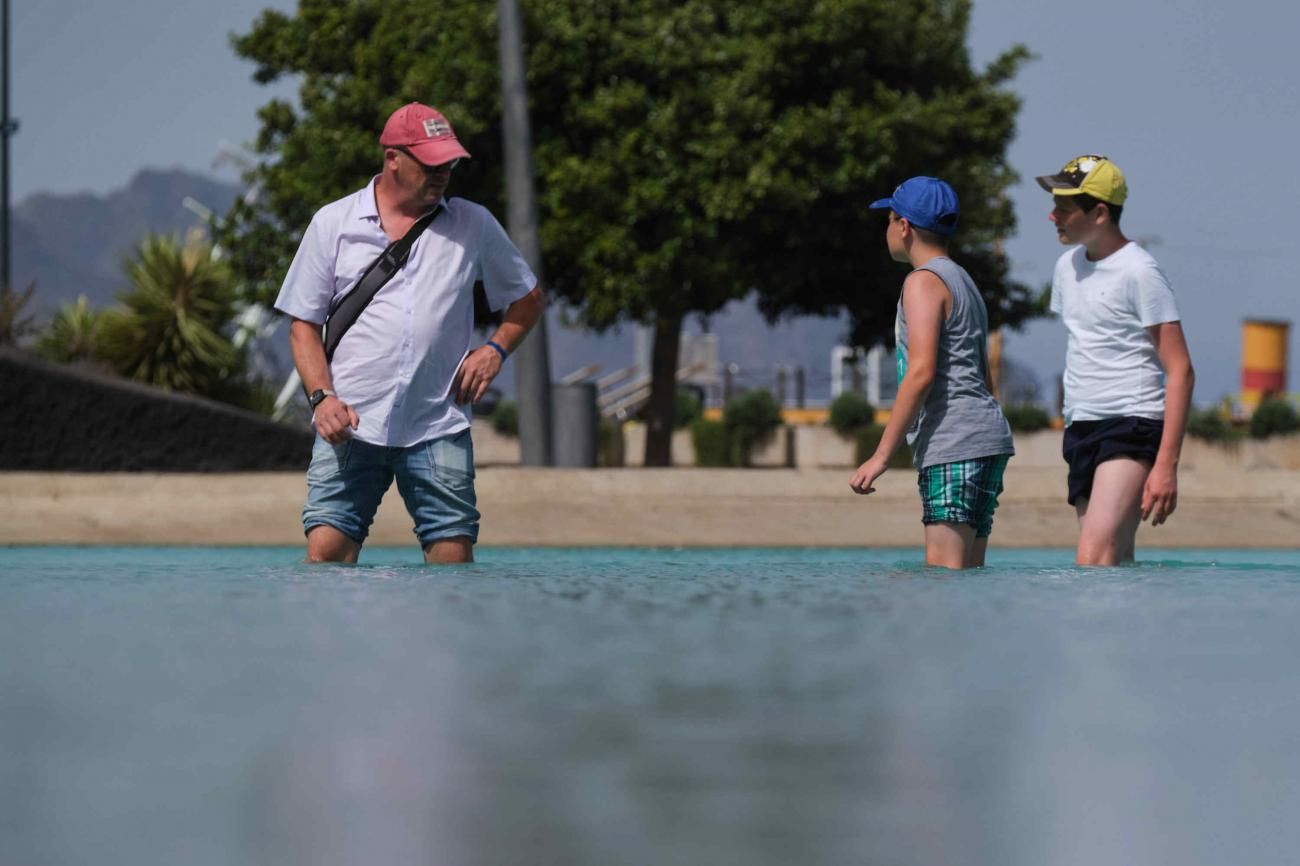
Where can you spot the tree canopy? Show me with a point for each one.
(687, 153)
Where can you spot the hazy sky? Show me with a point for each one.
(1194, 101)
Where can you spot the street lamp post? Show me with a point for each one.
(8, 126)
(532, 358)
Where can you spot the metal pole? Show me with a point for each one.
(800, 386)
(7, 128)
(532, 357)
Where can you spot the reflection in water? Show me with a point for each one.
(606, 707)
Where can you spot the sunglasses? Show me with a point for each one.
(429, 169)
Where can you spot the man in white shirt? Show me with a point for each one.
(393, 401)
(1128, 374)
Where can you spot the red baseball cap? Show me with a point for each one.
(424, 132)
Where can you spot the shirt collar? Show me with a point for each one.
(366, 208)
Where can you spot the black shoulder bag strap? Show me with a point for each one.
(346, 310)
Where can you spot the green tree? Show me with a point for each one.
(73, 333)
(168, 330)
(688, 153)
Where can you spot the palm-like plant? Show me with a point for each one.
(14, 325)
(73, 333)
(170, 330)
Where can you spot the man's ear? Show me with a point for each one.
(1102, 210)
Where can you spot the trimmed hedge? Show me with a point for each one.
(710, 441)
(850, 412)
(1026, 417)
(1210, 425)
(868, 438)
(1273, 418)
(749, 419)
(505, 419)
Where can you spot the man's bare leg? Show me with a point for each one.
(327, 544)
(447, 551)
(1109, 518)
(976, 557)
(949, 545)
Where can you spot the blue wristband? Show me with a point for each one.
(500, 351)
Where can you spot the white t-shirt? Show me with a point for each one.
(1111, 365)
(396, 364)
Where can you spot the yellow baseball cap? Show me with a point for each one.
(1090, 175)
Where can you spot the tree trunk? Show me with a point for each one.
(662, 408)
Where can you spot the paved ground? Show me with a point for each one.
(690, 507)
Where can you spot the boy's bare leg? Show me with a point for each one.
(976, 557)
(327, 544)
(949, 545)
(446, 551)
(1109, 518)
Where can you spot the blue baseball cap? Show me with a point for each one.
(925, 202)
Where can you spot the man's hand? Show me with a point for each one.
(335, 420)
(476, 373)
(1160, 493)
(866, 474)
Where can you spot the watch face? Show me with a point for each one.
(315, 398)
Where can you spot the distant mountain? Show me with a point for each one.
(71, 245)
(76, 244)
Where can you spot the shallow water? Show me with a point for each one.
(195, 706)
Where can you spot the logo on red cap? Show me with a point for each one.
(436, 126)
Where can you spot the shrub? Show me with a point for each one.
(1274, 417)
(688, 409)
(1027, 417)
(505, 418)
(710, 441)
(609, 442)
(850, 412)
(14, 323)
(1210, 425)
(73, 333)
(868, 439)
(749, 420)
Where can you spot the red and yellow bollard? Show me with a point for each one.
(1263, 360)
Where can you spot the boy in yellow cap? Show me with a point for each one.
(1128, 374)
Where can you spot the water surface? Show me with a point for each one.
(217, 706)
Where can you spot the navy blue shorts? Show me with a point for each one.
(1090, 443)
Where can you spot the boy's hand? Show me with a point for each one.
(1160, 493)
(866, 474)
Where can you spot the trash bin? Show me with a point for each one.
(573, 424)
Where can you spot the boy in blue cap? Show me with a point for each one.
(960, 439)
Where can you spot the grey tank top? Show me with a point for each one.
(960, 419)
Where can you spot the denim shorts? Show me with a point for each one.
(346, 482)
(963, 492)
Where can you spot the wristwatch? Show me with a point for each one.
(318, 395)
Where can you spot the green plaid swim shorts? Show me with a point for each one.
(962, 492)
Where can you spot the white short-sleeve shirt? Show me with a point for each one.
(1111, 366)
(396, 364)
